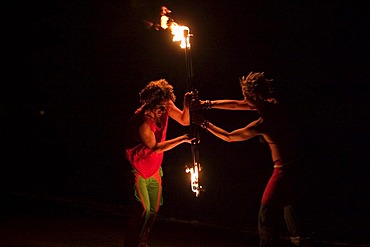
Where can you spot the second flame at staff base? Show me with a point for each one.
(194, 176)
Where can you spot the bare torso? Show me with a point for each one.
(277, 129)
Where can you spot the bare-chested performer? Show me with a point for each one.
(275, 125)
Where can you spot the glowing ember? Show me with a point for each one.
(194, 176)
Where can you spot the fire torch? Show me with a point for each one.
(182, 34)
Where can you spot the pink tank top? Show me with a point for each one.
(145, 161)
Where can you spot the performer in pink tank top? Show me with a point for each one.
(144, 160)
(145, 144)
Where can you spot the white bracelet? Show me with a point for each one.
(208, 104)
(205, 124)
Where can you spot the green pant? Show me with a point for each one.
(148, 192)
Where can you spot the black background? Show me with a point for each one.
(71, 75)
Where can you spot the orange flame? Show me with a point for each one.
(180, 33)
(194, 178)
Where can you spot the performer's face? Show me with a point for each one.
(160, 109)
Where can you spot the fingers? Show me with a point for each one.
(189, 138)
(192, 139)
(188, 97)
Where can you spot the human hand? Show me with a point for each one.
(188, 98)
(189, 138)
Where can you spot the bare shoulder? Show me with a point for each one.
(143, 125)
(256, 125)
(262, 125)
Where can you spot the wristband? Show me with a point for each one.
(205, 124)
(208, 104)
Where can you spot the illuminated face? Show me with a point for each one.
(160, 109)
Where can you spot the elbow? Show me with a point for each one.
(185, 122)
(227, 139)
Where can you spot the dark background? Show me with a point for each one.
(71, 75)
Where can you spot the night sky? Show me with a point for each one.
(72, 71)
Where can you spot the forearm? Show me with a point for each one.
(237, 135)
(227, 104)
(185, 117)
(185, 113)
(180, 116)
(169, 144)
(216, 131)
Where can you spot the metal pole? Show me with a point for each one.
(193, 128)
(188, 62)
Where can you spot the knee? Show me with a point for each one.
(147, 212)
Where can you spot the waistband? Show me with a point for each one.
(279, 163)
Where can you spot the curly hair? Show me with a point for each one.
(155, 92)
(256, 86)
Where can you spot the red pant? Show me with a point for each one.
(278, 200)
(283, 186)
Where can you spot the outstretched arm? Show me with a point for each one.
(241, 134)
(237, 135)
(148, 138)
(224, 104)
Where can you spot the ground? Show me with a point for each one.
(42, 223)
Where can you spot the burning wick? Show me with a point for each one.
(194, 175)
(180, 33)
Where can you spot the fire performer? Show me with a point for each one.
(275, 126)
(145, 145)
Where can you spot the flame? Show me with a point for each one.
(180, 33)
(194, 178)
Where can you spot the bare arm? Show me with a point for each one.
(148, 138)
(242, 134)
(230, 104)
(181, 116)
(223, 104)
(237, 135)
